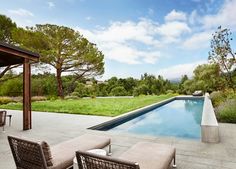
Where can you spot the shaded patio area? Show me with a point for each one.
(55, 128)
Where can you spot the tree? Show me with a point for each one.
(141, 89)
(206, 77)
(181, 84)
(6, 29)
(65, 50)
(118, 91)
(222, 54)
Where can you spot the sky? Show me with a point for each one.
(168, 38)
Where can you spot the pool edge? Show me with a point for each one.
(129, 115)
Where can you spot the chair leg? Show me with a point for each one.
(109, 151)
(174, 165)
(3, 129)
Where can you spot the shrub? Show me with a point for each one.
(226, 112)
(72, 97)
(12, 87)
(217, 97)
(52, 97)
(17, 99)
(38, 98)
(118, 91)
(81, 90)
(141, 90)
(6, 100)
(170, 92)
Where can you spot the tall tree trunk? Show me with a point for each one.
(59, 84)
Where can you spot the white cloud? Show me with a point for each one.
(194, 17)
(119, 41)
(173, 29)
(175, 16)
(198, 41)
(51, 4)
(226, 17)
(21, 12)
(178, 70)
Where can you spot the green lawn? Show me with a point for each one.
(101, 107)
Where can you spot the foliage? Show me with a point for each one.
(43, 85)
(141, 90)
(170, 92)
(222, 54)
(181, 84)
(217, 97)
(38, 98)
(103, 107)
(206, 78)
(13, 87)
(72, 97)
(81, 90)
(6, 28)
(118, 91)
(6, 100)
(64, 49)
(227, 111)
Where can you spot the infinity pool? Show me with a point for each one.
(178, 118)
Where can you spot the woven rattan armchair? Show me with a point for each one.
(3, 114)
(39, 155)
(88, 160)
(147, 155)
(27, 154)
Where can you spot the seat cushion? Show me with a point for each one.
(150, 155)
(64, 152)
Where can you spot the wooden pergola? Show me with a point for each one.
(12, 55)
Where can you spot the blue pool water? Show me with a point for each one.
(179, 118)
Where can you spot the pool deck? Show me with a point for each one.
(55, 128)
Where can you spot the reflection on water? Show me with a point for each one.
(180, 118)
(194, 107)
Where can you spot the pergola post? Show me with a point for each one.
(13, 55)
(26, 95)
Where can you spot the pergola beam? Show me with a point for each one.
(20, 53)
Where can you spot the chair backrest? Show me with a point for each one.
(3, 114)
(27, 154)
(88, 160)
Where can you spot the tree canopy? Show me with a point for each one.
(65, 50)
(222, 53)
(6, 28)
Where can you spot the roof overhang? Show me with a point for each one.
(11, 55)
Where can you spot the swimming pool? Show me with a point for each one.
(178, 118)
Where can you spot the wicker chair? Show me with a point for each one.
(88, 160)
(3, 114)
(27, 154)
(39, 155)
(148, 155)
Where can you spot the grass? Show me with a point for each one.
(102, 107)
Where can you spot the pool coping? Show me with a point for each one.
(132, 114)
(209, 124)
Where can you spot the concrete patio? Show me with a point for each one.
(55, 128)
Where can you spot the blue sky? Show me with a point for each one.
(168, 37)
